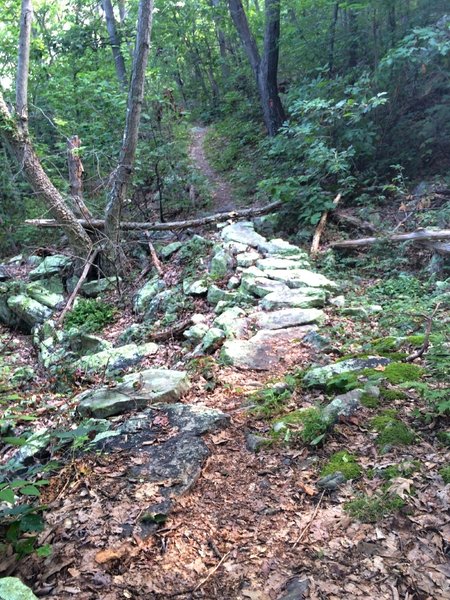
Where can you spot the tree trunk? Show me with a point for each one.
(221, 39)
(264, 69)
(124, 169)
(23, 65)
(76, 171)
(21, 149)
(115, 43)
(332, 39)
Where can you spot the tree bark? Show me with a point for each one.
(169, 226)
(22, 150)
(115, 43)
(23, 65)
(76, 171)
(124, 168)
(332, 39)
(264, 68)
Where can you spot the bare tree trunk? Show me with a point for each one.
(23, 65)
(265, 69)
(221, 39)
(76, 171)
(22, 150)
(124, 169)
(115, 43)
(332, 39)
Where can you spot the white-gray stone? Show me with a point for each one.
(298, 278)
(247, 259)
(91, 289)
(11, 588)
(136, 390)
(212, 340)
(304, 298)
(275, 263)
(196, 333)
(51, 265)
(31, 312)
(42, 295)
(287, 317)
(319, 376)
(146, 294)
(232, 321)
(116, 358)
(243, 233)
(199, 287)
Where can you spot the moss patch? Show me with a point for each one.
(372, 509)
(391, 430)
(402, 372)
(445, 474)
(345, 463)
(369, 401)
(391, 395)
(307, 425)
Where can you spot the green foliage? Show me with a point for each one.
(270, 401)
(391, 430)
(445, 474)
(344, 462)
(307, 426)
(371, 509)
(400, 372)
(90, 315)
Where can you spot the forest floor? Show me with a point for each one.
(255, 526)
(222, 196)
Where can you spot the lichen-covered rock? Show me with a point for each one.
(261, 286)
(115, 358)
(221, 264)
(304, 298)
(287, 317)
(136, 390)
(7, 316)
(279, 247)
(275, 263)
(299, 278)
(212, 340)
(44, 296)
(232, 321)
(243, 233)
(345, 405)
(91, 289)
(146, 294)
(35, 444)
(11, 588)
(247, 259)
(215, 295)
(167, 251)
(197, 287)
(29, 311)
(83, 343)
(51, 265)
(196, 333)
(319, 376)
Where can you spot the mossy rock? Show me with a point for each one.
(345, 463)
(390, 395)
(391, 430)
(402, 372)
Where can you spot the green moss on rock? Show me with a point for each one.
(401, 372)
(345, 463)
(391, 430)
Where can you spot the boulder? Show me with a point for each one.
(11, 588)
(345, 405)
(319, 376)
(221, 264)
(247, 259)
(212, 340)
(91, 289)
(276, 263)
(215, 295)
(198, 287)
(261, 286)
(115, 358)
(304, 298)
(279, 247)
(299, 278)
(167, 251)
(287, 317)
(243, 233)
(146, 294)
(30, 312)
(51, 265)
(43, 295)
(136, 390)
(232, 321)
(196, 333)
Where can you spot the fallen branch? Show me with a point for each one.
(345, 217)
(320, 227)
(155, 260)
(438, 247)
(130, 226)
(80, 282)
(426, 339)
(170, 333)
(310, 522)
(416, 236)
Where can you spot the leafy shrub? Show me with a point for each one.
(90, 315)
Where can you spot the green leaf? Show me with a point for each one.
(31, 522)
(30, 490)
(7, 495)
(44, 551)
(14, 441)
(318, 439)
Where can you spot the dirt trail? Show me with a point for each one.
(221, 192)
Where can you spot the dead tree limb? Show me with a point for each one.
(155, 260)
(170, 333)
(416, 236)
(342, 216)
(76, 171)
(169, 226)
(74, 294)
(321, 226)
(426, 340)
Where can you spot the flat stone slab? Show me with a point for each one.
(304, 298)
(51, 265)
(263, 351)
(272, 263)
(243, 233)
(298, 278)
(287, 317)
(116, 358)
(137, 390)
(29, 311)
(12, 588)
(279, 247)
(319, 376)
(261, 286)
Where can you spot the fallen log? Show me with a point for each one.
(417, 236)
(320, 228)
(132, 226)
